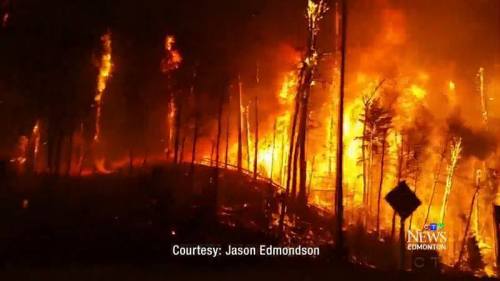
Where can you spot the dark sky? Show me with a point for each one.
(49, 51)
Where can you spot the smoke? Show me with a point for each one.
(477, 143)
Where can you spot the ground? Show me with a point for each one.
(122, 227)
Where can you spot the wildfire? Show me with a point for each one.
(451, 86)
(456, 149)
(287, 88)
(105, 69)
(173, 57)
(170, 62)
(384, 140)
(35, 138)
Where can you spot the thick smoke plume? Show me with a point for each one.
(477, 143)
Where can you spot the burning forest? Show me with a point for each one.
(295, 122)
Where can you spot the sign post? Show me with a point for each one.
(404, 202)
(496, 216)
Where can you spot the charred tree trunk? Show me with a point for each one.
(282, 164)
(370, 172)
(289, 165)
(295, 165)
(309, 63)
(302, 197)
(311, 176)
(182, 149)
(435, 182)
(256, 142)
(331, 144)
(212, 150)
(195, 137)
(219, 132)
(381, 182)
(272, 153)
(363, 156)
(467, 226)
(178, 120)
(339, 195)
(247, 131)
(240, 137)
(213, 187)
(226, 154)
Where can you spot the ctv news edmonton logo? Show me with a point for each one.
(432, 237)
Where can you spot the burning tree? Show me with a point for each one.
(376, 124)
(105, 69)
(297, 151)
(367, 104)
(169, 63)
(474, 258)
(456, 149)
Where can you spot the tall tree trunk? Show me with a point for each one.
(339, 195)
(247, 131)
(219, 132)
(282, 164)
(195, 137)
(295, 165)
(212, 150)
(331, 144)
(272, 153)
(178, 120)
(195, 130)
(226, 154)
(381, 182)
(399, 177)
(289, 164)
(311, 174)
(309, 63)
(302, 199)
(435, 182)
(181, 157)
(363, 155)
(212, 193)
(370, 173)
(240, 138)
(256, 141)
(467, 226)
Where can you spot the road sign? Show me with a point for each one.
(403, 200)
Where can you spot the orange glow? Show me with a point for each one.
(105, 69)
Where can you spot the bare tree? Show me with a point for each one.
(256, 142)
(240, 140)
(339, 194)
